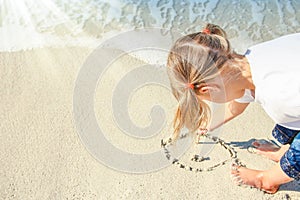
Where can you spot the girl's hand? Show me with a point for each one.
(200, 133)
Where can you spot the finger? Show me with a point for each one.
(202, 131)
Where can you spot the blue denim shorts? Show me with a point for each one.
(290, 161)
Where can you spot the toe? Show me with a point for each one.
(256, 144)
(252, 150)
(237, 180)
(234, 169)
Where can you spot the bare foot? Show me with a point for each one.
(254, 178)
(269, 149)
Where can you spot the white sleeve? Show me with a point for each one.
(247, 98)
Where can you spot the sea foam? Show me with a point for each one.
(27, 24)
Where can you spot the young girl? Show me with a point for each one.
(202, 66)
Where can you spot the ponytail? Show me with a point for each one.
(191, 113)
(195, 59)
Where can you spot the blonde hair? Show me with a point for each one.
(194, 59)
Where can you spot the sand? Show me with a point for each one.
(42, 156)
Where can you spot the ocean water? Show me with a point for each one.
(27, 24)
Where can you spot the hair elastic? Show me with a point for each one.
(190, 85)
(206, 31)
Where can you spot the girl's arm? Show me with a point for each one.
(232, 109)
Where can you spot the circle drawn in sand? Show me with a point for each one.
(198, 158)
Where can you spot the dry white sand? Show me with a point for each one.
(42, 156)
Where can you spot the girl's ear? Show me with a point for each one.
(206, 88)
